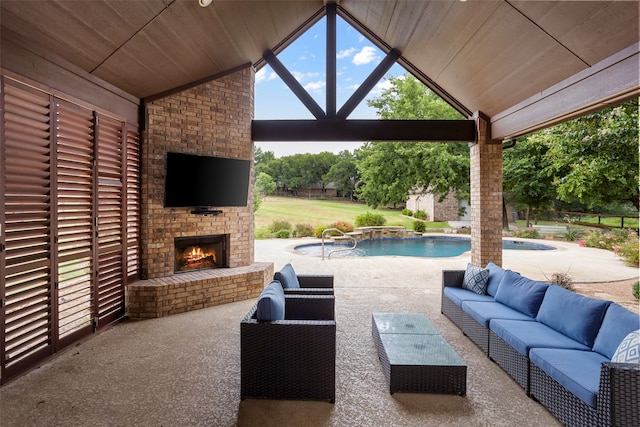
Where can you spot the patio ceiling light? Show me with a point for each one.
(205, 3)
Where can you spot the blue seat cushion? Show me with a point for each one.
(457, 295)
(577, 371)
(521, 293)
(618, 322)
(482, 312)
(495, 277)
(287, 277)
(574, 315)
(523, 336)
(271, 303)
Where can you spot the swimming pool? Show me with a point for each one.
(426, 247)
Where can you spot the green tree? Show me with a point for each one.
(595, 158)
(264, 185)
(526, 177)
(343, 174)
(388, 170)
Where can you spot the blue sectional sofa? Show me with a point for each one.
(576, 355)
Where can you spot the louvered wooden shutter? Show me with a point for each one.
(74, 146)
(28, 265)
(110, 221)
(132, 207)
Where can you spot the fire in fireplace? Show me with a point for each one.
(202, 252)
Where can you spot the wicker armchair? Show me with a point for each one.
(304, 284)
(293, 358)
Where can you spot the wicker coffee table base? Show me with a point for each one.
(417, 359)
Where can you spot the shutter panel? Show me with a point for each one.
(27, 208)
(132, 207)
(110, 286)
(74, 146)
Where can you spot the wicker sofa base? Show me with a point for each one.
(512, 362)
(476, 332)
(563, 404)
(452, 311)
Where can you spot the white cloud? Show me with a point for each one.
(315, 86)
(345, 53)
(299, 76)
(380, 87)
(265, 74)
(366, 55)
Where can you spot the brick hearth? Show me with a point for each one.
(212, 119)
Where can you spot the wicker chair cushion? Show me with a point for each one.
(482, 312)
(523, 336)
(475, 279)
(287, 277)
(574, 315)
(458, 295)
(521, 293)
(629, 349)
(271, 303)
(577, 371)
(496, 274)
(618, 322)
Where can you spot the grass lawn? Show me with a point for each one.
(317, 212)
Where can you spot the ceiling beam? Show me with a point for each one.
(331, 61)
(609, 82)
(363, 130)
(294, 85)
(369, 83)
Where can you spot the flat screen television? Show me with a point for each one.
(204, 181)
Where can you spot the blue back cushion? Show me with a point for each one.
(521, 293)
(287, 277)
(617, 324)
(495, 277)
(271, 303)
(574, 315)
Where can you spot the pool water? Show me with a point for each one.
(426, 247)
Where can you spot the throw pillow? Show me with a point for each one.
(629, 349)
(475, 279)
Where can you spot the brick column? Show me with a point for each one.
(486, 196)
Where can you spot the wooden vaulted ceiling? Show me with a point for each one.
(523, 64)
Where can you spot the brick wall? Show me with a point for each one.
(486, 197)
(212, 119)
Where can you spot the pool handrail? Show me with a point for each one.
(355, 242)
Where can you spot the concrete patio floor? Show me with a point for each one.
(184, 370)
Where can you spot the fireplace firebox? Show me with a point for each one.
(201, 252)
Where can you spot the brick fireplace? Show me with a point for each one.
(211, 119)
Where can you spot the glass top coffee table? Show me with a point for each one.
(415, 357)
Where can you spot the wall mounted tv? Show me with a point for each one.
(204, 181)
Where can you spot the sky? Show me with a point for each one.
(305, 58)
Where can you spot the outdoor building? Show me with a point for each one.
(449, 209)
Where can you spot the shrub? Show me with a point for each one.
(262, 233)
(345, 227)
(571, 235)
(370, 220)
(636, 290)
(303, 230)
(420, 214)
(419, 226)
(528, 233)
(278, 225)
(283, 234)
(318, 231)
(622, 242)
(563, 279)
(407, 212)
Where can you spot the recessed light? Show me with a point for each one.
(205, 3)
